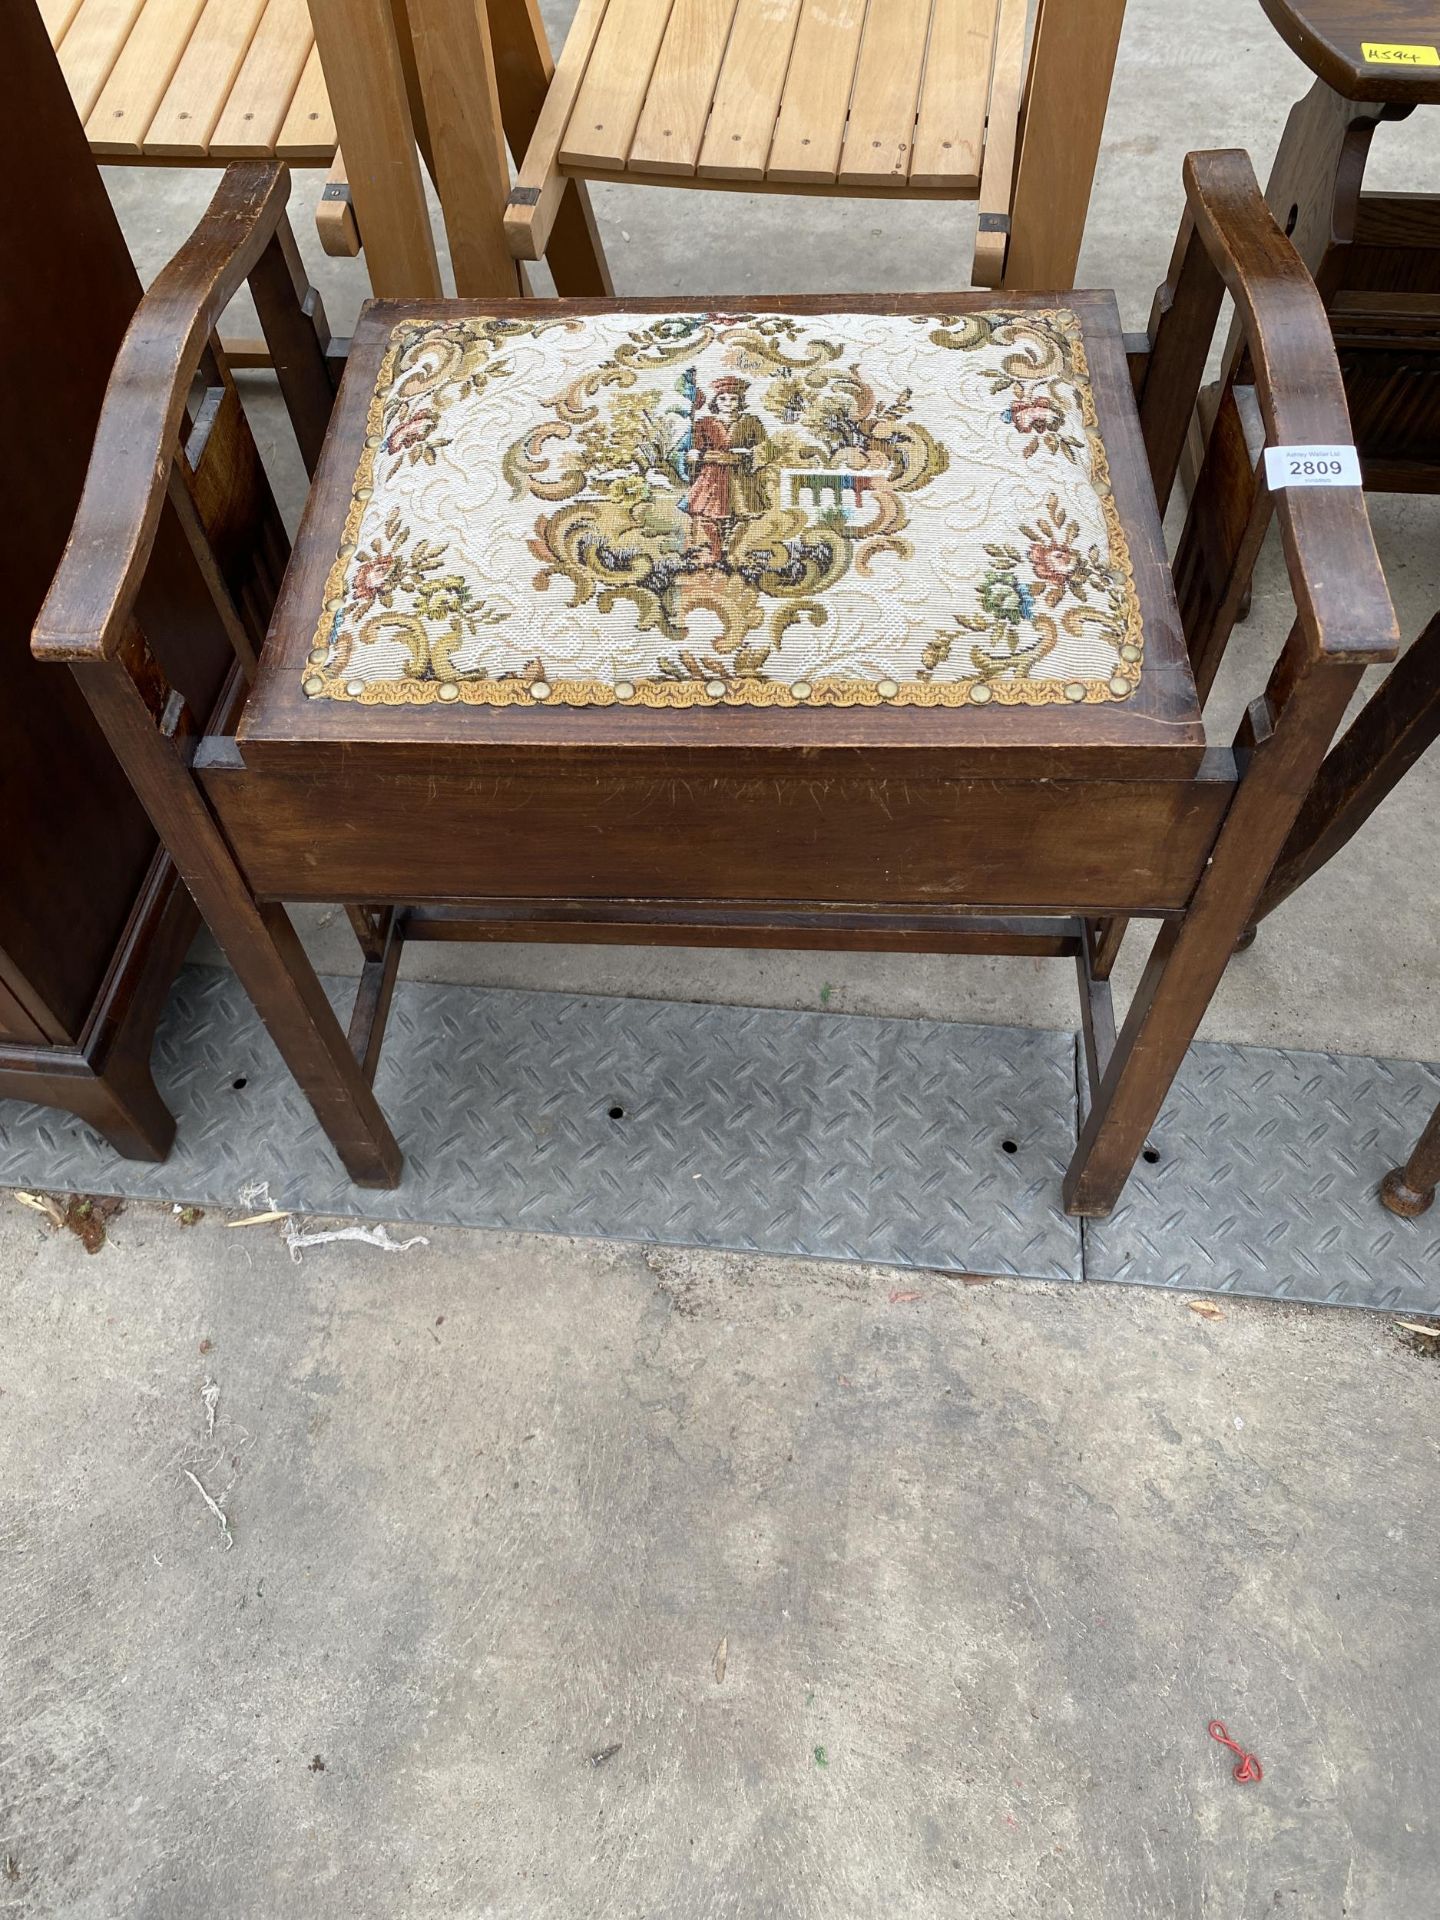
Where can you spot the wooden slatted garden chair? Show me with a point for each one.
(198, 83)
(931, 99)
(194, 82)
(790, 622)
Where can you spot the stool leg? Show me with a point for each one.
(1410, 1189)
(1189, 956)
(258, 939)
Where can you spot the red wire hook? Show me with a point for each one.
(1249, 1767)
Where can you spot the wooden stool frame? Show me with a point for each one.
(1197, 844)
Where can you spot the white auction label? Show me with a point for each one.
(1311, 467)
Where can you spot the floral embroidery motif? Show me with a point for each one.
(1018, 634)
(443, 613)
(763, 508)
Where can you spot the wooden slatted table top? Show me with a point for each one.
(792, 93)
(190, 82)
(1366, 49)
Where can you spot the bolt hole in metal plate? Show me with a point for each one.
(837, 1136)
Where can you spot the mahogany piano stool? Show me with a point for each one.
(828, 623)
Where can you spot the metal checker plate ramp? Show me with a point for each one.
(1266, 1181)
(832, 1135)
(828, 1135)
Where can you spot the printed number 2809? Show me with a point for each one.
(1311, 469)
(1311, 466)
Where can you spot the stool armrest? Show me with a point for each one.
(136, 441)
(1341, 598)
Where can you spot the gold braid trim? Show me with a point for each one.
(738, 693)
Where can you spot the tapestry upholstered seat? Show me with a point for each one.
(760, 508)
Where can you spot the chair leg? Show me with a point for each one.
(524, 70)
(371, 927)
(366, 78)
(264, 949)
(382, 942)
(1072, 57)
(1410, 1189)
(259, 940)
(454, 75)
(1097, 1013)
(1183, 972)
(575, 255)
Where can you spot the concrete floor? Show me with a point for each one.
(984, 1563)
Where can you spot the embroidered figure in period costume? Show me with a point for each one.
(728, 447)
